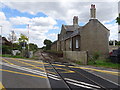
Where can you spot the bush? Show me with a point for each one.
(6, 49)
(95, 57)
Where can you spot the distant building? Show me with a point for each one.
(92, 37)
(4, 41)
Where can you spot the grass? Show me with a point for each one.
(8, 55)
(104, 63)
(18, 56)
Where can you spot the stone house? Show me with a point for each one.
(92, 37)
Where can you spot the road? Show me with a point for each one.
(21, 73)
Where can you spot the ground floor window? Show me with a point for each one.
(77, 46)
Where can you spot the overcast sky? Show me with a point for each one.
(45, 18)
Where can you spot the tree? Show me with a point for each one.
(118, 19)
(33, 47)
(48, 44)
(23, 40)
(23, 45)
(12, 37)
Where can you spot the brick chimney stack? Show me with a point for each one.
(93, 12)
(75, 20)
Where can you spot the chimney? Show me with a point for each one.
(75, 22)
(93, 12)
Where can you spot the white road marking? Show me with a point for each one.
(104, 78)
(81, 82)
(80, 85)
(71, 81)
(54, 78)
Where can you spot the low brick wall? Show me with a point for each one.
(76, 55)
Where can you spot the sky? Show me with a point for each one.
(46, 17)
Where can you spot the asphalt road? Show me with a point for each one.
(20, 73)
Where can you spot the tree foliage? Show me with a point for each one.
(23, 38)
(48, 44)
(118, 19)
(33, 47)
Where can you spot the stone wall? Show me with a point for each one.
(76, 56)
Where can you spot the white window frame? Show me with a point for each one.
(77, 45)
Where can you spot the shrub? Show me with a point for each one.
(95, 57)
(6, 49)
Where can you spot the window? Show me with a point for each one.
(77, 46)
(71, 43)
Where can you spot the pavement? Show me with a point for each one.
(21, 73)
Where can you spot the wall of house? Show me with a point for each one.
(67, 45)
(80, 56)
(94, 38)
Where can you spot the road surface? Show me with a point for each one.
(22, 73)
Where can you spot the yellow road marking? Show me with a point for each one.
(58, 65)
(31, 61)
(7, 61)
(29, 64)
(50, 72)
(34, 66)
(22, 73)
(104, 71)
(2, 87)
(67, 72)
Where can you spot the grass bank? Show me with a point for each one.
(104, 63)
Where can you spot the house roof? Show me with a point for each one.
(74, 31)
(69, 27)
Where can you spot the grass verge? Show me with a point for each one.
(8, 55)
(104, 63)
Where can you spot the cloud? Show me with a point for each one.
(66, 10)
(113, 31)
(53, 36)
(38, 27)
(19, 20)
(6, 25)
